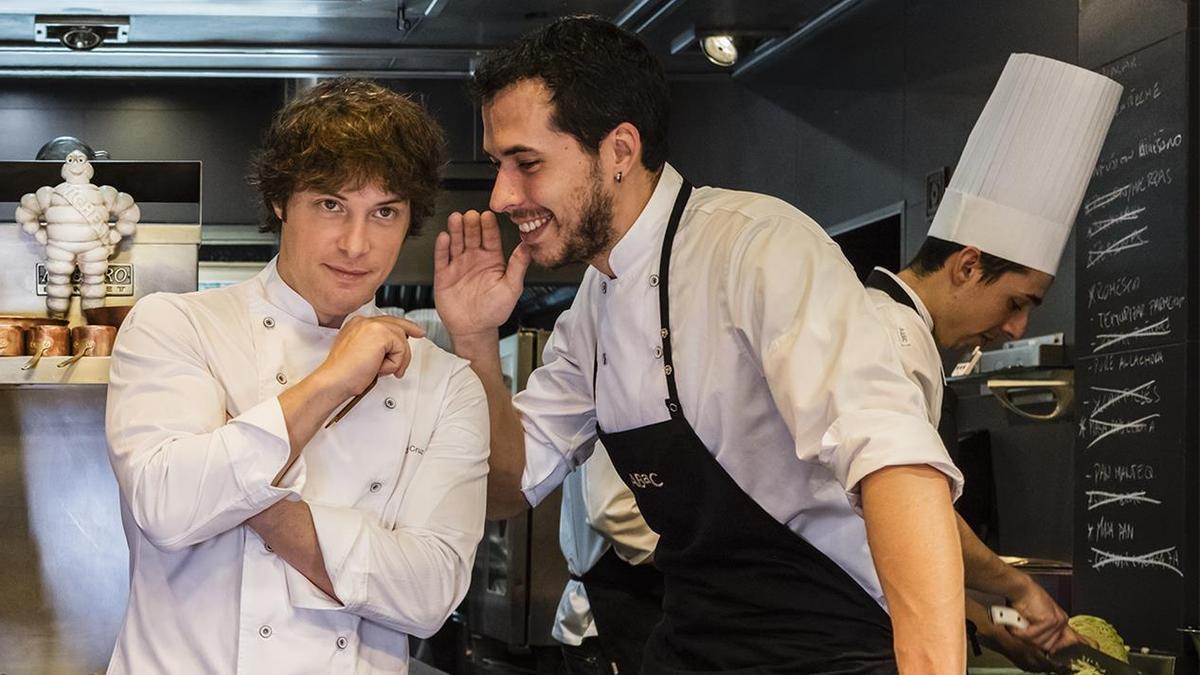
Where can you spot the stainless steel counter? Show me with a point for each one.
(63, 558)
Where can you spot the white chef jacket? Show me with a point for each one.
(912, 333)
(598, 511)
(783, 367)
(397, 491)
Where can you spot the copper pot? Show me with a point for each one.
(30, 321)
(46, 340)
(12, 340)
(111, 315)
(90, 341)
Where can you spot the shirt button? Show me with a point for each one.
(264, 632)
(653, 279)
(269, 322)
(342, 642)
(658, 352)
(604, 287)
(389, 403)
(375, 487)
(281, 378)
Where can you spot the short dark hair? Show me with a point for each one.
(599, 76)
(934, 253)
(351, 132)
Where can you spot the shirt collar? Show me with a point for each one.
(287, 300)
(922, 310)
(644, 238)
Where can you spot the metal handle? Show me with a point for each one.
(1063, 392)
(37, 355)
(87, 349)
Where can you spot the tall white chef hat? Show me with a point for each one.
(1021, 177)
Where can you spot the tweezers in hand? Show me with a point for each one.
(353, 402)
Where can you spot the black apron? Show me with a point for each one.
(626, 604)
(743, 593)
(947, 427)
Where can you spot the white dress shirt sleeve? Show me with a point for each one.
(918, 354)
(833, 372)
(558, 406)
(613, 511)
(411, 578)
(185, 469)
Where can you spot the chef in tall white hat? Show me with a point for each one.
(991, 254)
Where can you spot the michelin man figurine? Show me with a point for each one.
(72, 221)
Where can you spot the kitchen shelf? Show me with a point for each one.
(90, 370)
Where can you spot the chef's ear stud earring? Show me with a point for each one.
(620, 175)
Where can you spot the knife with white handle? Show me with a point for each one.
(1076, 653)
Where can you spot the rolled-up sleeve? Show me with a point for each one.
(186, 471)
(832, 370)
(558, 407)
(410, 577)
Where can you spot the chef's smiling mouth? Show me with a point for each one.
(530, 222)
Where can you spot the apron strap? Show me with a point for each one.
(882, 281)
(664, 264)
(664, 267)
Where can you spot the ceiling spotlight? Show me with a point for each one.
(81, 38)
(719, 49)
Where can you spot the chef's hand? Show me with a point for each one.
(1048, 629)
(1024, 655)
(367, 348)
(473, 288)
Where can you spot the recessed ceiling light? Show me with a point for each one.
(719, 49)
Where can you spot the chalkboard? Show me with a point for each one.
(1132, 552)
(1130, 485)
(1131, 232)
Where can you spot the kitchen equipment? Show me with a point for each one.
(12, 340)
(108, 315)
(1043, 351)
(90, 341)
(46, 340)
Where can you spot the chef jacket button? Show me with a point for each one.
(604, 287)
(653, 279)
(281, 378)
(375, 486)
(658, 352)
(342, 642)
(264, 632)
(268, 547)
(667, 369)
(389, 403)
(269, 322)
